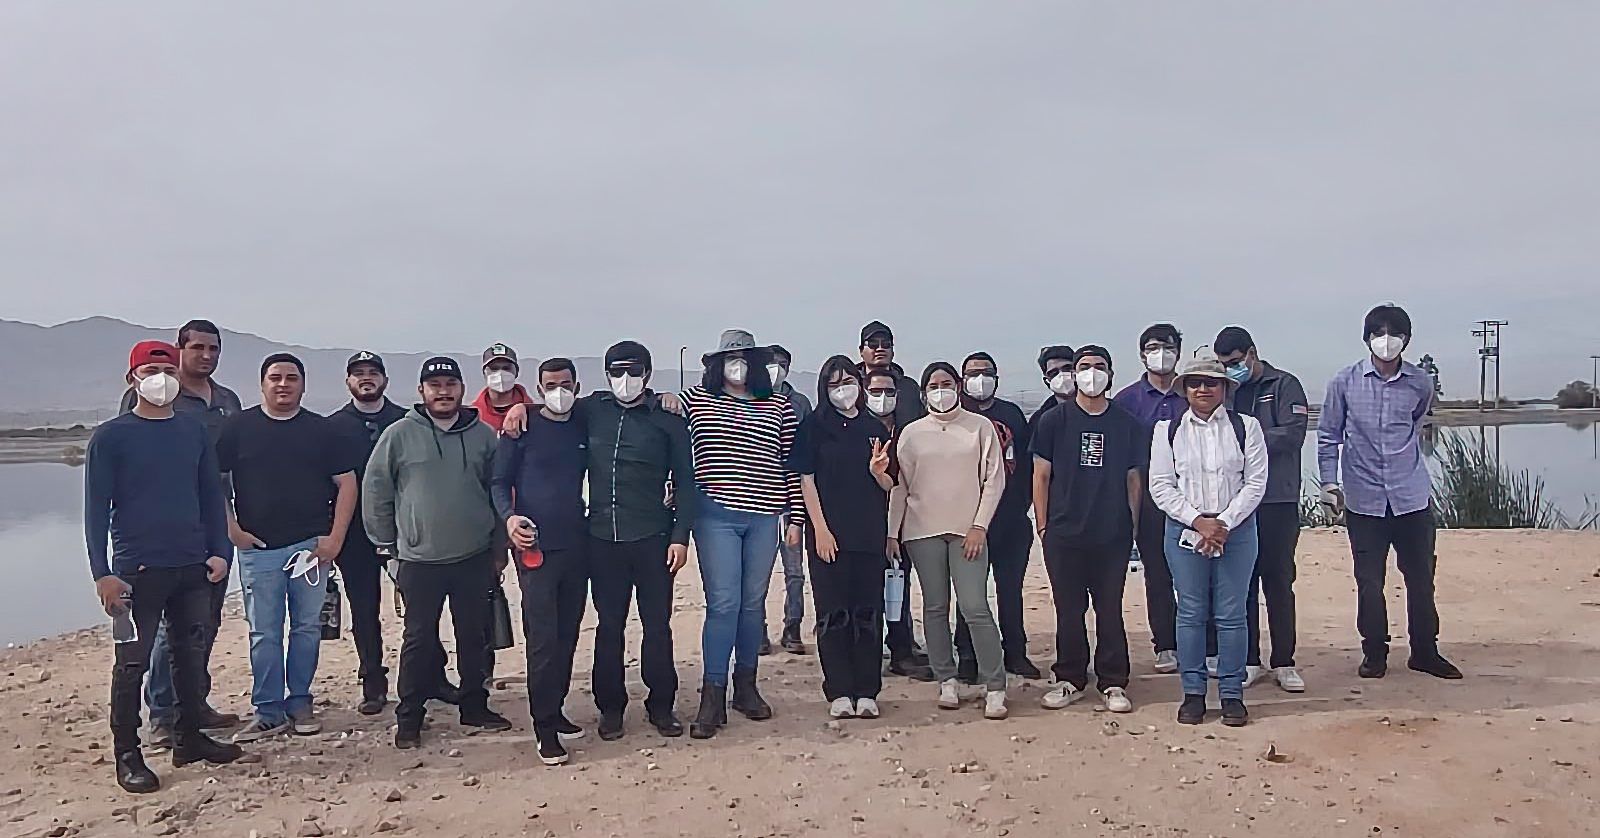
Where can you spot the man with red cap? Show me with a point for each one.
(153, 489)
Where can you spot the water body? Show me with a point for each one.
(48, 590)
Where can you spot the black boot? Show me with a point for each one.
(666, 723)
(134, 776)
(198, 747)
(374, 696)
(713, 711)
(791, 641)
(747, 699)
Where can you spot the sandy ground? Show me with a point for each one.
(1511, 750)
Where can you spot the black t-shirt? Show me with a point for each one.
(283, 473)
(837, 452)
(1015, 436)
(1090, 457)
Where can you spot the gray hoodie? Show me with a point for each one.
(426, 491)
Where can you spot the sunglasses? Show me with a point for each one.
(879, 343)
(1198, 383)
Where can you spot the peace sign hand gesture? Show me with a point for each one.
(879, 464)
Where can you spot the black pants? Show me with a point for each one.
(1010, 548)
(362, 570)
(1081, 574)
(1160, 598)
(616, 571)
(1278, 533)
(554, 596)
(426, 587)
(182, 597)
(848, 594)
(1412, 536)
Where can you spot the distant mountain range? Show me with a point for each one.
(73, 372)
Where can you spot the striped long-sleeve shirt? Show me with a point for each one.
(740, 447)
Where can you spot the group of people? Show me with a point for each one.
(1194, 467)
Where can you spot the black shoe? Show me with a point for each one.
(134, 776)
(567, 730)
(161, 736)
(1436, 666)
(372, 705)
(909, 668)
(791, 641)
(448, 693)
(766, 647)
(405, 738)
(1373, 667)
(211, 719)
(967, 671)
(1024, 668)
(747, 697)
(918, 656)
(551, 751)
(1233, 712)
(198, 747)
(666, 723)
(1193, 710)
(486, 719)
(713, 712)
(610, 726)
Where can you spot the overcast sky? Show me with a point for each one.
(403, 175)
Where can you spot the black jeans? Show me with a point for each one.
(554, 596)
(426, 587)
(159, 694)
(1010, 548)
(1412, 536)
(362, 570)
(1278, 533)
(1081, 574)
(182, 597)
(616, 571)
(1160, 598)
(848, 594)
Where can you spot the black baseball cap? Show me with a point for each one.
(626, 352)
(437, 366)
(365, 357)
(875, 328)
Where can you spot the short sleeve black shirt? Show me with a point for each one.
(283, 473)
(1090, 457)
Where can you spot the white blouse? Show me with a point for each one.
(1203, 472)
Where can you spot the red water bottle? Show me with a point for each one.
(532, 557)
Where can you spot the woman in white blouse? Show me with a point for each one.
(1208, 472)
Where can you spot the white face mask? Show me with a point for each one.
(626, 387)
(1161, 361)
(882, 404)
(942, 401)
(500, 381)
(159, 389)
(777, 373)
(844, 396)
(304, 563)
(981, 387)
(559, 400)
(1387, 347)
(1092, 382)
(1062, 384)
(735, 370)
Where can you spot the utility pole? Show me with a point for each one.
(1489, 331)
(681, 351)
(1594, 382)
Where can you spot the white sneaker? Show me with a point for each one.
(259, 729)
(1289, 680)
(1167, 662)
(1211, 666)
(1060, 694)
(842, 708)
(305, 723)
(867, 708)
(1117, 700)
(950, 695)
(994, 705)
(1253, 674)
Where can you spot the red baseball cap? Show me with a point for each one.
(152, 352)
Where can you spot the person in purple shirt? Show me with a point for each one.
(1369, 435)
(1151, 398)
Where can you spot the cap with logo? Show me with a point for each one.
(152, 352)
(501, 352)
(365, 357)
(441, 366)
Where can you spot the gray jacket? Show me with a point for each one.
(1278, 401)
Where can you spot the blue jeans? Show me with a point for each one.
(736, 558)
(1213, 590)
(281, 684)
(794, 581)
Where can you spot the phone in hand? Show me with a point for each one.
(1189, 540)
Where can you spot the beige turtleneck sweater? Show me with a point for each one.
(952, 473)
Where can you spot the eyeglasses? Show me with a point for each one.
(879, 343)
(1198, 383)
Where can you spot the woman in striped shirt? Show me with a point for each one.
(741, 434)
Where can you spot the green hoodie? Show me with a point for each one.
(426, 491)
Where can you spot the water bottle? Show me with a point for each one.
(331, 610)
(123, 629)
(894, 592)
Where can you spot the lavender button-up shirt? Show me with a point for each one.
(1372, 428)
(1149, 405)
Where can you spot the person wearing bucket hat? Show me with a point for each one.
(741, 434)
(1208, 473)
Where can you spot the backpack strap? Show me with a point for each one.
(1233, 418)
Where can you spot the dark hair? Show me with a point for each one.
(1090, 350)
(838, 363)
(282, 358)
(758, 381)
(776, 350)
(1054, 353)
(868, 375)
(936, 366)
(558, 365)
(1390, 315)
(979, 356)
(1164, 332)
(205, 326)
(1232, 339)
